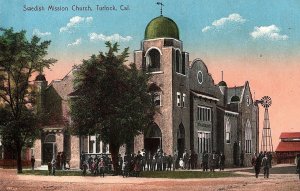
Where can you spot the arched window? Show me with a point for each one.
(155, 91)
(227, 130)
(50, 138)
(153, 60)
(248, 137)
(178, 61)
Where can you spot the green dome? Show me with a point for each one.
(222, 83)
(235, 98)
(161, 27)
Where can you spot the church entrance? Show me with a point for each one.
(152, 138)
(49, 148)
(180, 140)
(235, 153)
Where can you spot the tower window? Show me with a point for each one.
(178, 61)
(153, 60)
(183, 64)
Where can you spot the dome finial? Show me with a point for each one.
(161, 5)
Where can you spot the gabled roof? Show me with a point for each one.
(64, 86)
(288, 147)
(290, 135)
(232, 91)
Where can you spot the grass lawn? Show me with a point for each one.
(57, 172)
(187, 174)
(145, 174)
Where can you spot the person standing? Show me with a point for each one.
(242, 157)
(63, 160)
(101, 165)
(53, 165)
(265, 164)
(205, 161)
(298, 165)
(221, 161)
(257, 165)
(185, 158)
(32, 162)
(175, 159)
(49, 168)
(84, 167)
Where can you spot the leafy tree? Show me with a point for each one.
(111, 99)
(19, 60)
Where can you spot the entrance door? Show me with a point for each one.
(49, 148)
(152, 138)
(235, 153)
(180, 140)
(152, 144)
(180, 147)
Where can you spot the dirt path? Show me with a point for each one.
(9, 180)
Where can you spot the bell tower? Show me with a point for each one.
(162, 56)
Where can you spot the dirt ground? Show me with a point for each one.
(10, 181)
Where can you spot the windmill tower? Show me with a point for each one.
(266, 142)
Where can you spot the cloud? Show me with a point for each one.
(75, 21)
(38, 33)
(76, 43)
(232, 18)
(205, 29)
(268, 32)
(115, 37)
(89, 19)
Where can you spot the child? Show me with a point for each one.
(181, 163)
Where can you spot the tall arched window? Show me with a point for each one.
(248, 137)
(227, 130)
(178, 61)
(153, 60)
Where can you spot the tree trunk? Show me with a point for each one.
(19, 158)
(114, 151)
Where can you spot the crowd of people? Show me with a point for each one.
(213, 161)
(133, 163)
(58, 163)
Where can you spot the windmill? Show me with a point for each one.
(266, 142)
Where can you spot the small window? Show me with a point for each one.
(200, 77)
(248, 100)
(157, 98)
(183, 100)
(178, 99)
(227, 130)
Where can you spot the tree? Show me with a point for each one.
(111, 99)
(19, 60)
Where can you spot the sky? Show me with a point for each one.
(256, 41)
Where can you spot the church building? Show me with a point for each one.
(194, 112)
